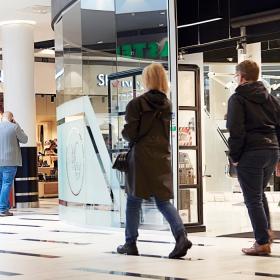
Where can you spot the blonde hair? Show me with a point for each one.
(154, 78)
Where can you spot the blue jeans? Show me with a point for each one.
(7, 175)
(254, 171)
(167, 209)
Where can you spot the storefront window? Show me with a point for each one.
(97, 41)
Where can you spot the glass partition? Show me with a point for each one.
(95, 40)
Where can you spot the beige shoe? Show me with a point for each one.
(271, 236)
(258, 250)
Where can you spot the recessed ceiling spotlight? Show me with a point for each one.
(36, 9)
(161, 25)
(100, 42)
(40, 9)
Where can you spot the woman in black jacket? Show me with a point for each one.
(150, 173)
(253, 122)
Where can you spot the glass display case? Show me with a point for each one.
(190, 201)
(123, 87)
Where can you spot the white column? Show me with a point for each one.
(254, 52)
(18, 71)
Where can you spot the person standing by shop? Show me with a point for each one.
(11, 135)
(253, 121)
(147, 130)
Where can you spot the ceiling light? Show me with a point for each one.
(239, 46)
(100, 42)
(47, 52)
(162, 13)
(161, 25)
(180, 56)
(199, 22)
(39, 9)
(7, 22)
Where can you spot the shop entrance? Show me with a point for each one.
(123, 87)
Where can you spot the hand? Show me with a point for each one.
(235, 164)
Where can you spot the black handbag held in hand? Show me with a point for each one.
(121, 163)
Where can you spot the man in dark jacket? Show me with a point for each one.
(253, 122)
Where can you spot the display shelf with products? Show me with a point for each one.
(122, 88)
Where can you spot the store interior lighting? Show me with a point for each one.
(199, 22)
(215, 76)
(229, 85)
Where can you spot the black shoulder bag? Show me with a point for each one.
(121, 162)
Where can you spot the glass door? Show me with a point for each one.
(190, 201)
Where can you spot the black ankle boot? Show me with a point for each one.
(128, 249)
(181, 247)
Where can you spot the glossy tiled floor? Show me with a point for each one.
(36, 245)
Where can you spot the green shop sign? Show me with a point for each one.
(143, 50)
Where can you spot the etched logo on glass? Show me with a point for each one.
(75, 161)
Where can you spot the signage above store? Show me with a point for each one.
(102, 81)
(144, 50)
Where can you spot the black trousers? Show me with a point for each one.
(254, 171)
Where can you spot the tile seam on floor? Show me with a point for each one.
(28, 254)
(129, 274)
(55, 241)
(6, 273)
(156, 256)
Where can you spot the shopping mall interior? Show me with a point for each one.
(68, 69)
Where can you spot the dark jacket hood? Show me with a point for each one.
(255, 92)
(157, 99)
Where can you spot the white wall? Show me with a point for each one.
(44, 78)
(44, 82)
(218, 94)
(215, 148)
